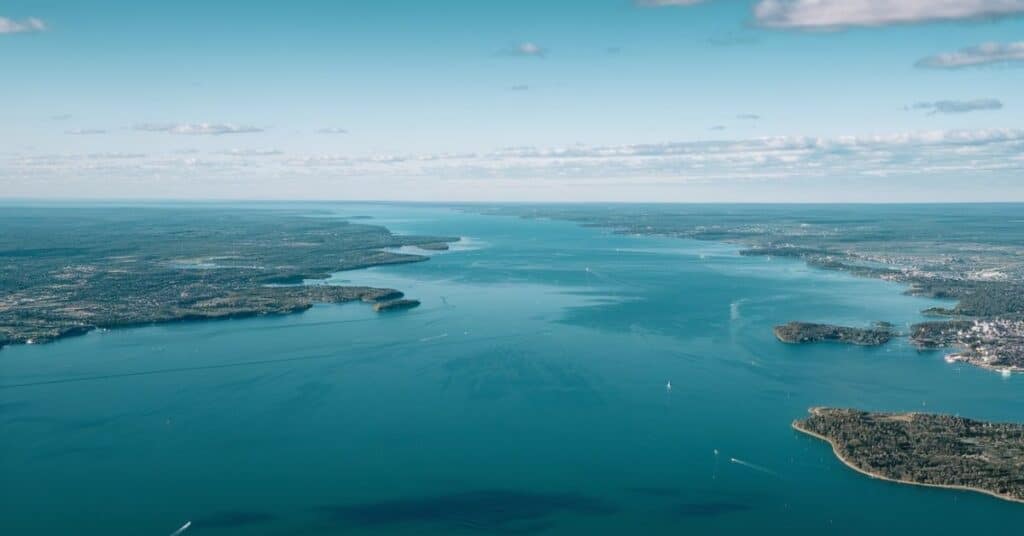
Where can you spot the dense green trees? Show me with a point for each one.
(926, 448)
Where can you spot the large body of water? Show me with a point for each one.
(526, 395)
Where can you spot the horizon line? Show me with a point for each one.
(186, 200)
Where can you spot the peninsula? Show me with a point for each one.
(925, 449)
(65, 271)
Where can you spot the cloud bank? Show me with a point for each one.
(980, 55)
(29, 25)
(958, 106)
(960, 156)
(197, 129)
(837, 14)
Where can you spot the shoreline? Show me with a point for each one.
(369, 295)
(81, 330)
(1005, 370)
(796, 426)
(743, 245)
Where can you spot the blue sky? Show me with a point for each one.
(720, 100)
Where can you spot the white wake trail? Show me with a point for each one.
(182, 529)
(753, 466)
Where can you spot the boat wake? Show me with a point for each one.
(749, 465)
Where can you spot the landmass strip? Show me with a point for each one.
(67, 271)
(925, 449)
(804, 332)
(395, 305)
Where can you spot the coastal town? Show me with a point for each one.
(994, 344)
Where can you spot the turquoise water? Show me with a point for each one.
(526, 395)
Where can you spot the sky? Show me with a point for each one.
(514, 100)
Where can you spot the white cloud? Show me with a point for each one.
(834, 14)
(209, 129)
(748, 117)
(332, 130)
(253, 152)
(526, 49)
(84, 131)
(11, 26)
(983, 54)
(958, 106)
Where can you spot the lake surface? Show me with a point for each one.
(526, 395)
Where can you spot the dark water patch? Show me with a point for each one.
(83, 452)
(234, 519)
(174, 370)
(43, 252)
(655, 491)
(79, 424)
(55, 423)
(12, 407)
(249, 382)
(711, 508)
(519, 528)
(301, 397)
(504, 373)
(498, 511)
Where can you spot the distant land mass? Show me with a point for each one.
(804, 332)
(395, 305)
(968, 254)
(66, 271)
(925, 449)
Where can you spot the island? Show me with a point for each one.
(804, 332)
(435, 246)
(925, 449)
(68, 270)
(395, 305)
